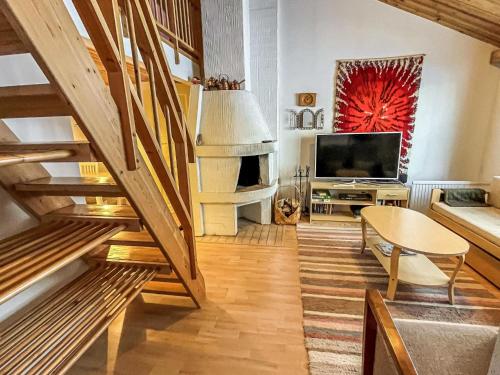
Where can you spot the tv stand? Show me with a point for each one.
(340, 201)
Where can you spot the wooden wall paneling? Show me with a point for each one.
(74, 74)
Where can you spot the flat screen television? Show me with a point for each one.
(358, 156)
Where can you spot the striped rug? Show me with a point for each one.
(334, 276)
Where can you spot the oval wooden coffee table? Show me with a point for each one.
(411, 230)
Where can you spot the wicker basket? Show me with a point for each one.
(279, 216)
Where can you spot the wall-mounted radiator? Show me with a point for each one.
(420, 195)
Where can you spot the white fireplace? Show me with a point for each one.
(235, 159)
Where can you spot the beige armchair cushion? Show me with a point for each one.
(495, 359)
(441, 348)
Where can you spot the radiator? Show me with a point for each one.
(420, 195)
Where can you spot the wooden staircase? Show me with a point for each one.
(51, 336)
(129, 248)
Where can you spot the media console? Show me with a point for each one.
(340, 201)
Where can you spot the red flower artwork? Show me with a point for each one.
(379, 96)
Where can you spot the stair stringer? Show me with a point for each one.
(49, 33)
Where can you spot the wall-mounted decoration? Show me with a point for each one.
(306, 99)
(307, 119)
(378, 95)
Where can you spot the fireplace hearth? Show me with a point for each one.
(235, 162)
(249, 171)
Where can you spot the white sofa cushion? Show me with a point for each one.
(484, 221)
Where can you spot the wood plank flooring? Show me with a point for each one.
(251, 322)
(250, 233)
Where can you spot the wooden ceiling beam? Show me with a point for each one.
(482, 9)
(483, 25)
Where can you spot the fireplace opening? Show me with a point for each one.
(249, 171)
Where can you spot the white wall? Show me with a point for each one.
(226, 39)
(264, 59)
(491, 156)
(457, 90)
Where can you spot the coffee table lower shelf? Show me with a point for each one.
(413, 269)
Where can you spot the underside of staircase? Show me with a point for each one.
(131, 248)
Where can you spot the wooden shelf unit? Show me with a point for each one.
(332, 208)
(413, 269)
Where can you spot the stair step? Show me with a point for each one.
(123, 215)
(31, 101)
(10, 44)
(142, 239)
(73, 186)
(39, 152)
(166, 288)
(167, 278)
(144, 256)
(33, 254)
(33, 157)
(51, 336)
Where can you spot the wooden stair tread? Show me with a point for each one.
(78, 151)
(142, 238)
(136, 254)
(33, 254)
(33, 157)
(98, 214)
(40, 100)
(52, 335)
(10, 44)
(167, 288)
(73, 186)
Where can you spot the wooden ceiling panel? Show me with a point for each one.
(479, 19)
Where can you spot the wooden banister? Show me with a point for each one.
(101, 18)
(102, 23)
(378, 320)
(49, 33)
(178, 22)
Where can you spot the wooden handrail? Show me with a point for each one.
(378, 319)
(99, 17)
(179, 22)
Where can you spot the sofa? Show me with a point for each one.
(478, 225)
(410, 347)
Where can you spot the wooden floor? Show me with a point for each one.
(251, 322)
(250, 233)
